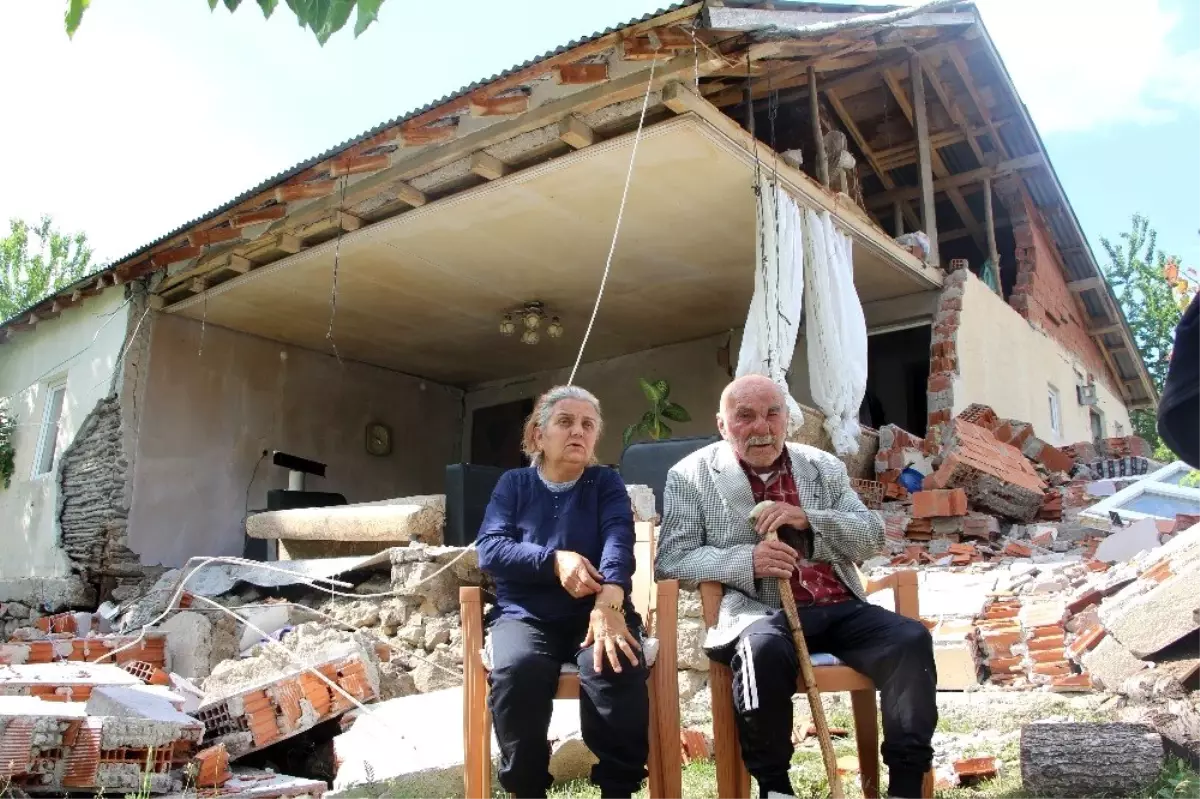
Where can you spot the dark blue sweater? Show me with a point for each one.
(526, 523)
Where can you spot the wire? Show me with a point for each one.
(253, 475)
(617, 230)
(111, 315)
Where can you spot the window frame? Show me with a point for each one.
(1054, 396)
(52, 388)
(1151, 483)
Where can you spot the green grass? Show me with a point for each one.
(1177, 781)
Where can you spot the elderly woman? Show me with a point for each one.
(557, 539)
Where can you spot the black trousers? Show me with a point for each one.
(614, 708)
(894, 651)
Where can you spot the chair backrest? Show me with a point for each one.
(647, 462)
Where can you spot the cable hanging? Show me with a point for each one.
(617, 230)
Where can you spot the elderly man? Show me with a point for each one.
(707, 535)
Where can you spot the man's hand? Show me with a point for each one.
(780, 514)
(576, 573)
(773, 559)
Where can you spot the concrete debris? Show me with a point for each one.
(1122, 545)
(392, 521)
(254, 784)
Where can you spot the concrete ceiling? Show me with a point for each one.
(424, 293)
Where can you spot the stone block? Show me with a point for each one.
(1110, 664)
(1159, 608)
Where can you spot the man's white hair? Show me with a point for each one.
(737, 383)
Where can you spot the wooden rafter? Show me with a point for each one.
(961, 180)
(964, 74)
(892, 80)
(835, 102)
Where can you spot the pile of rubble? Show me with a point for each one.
(216, 702)
(1020, 590)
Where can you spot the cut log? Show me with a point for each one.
(1178, 722)
(1089, 759)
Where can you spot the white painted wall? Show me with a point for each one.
(1007, 364)
(81, 346)
(207, 417)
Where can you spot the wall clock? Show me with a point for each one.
(379, 439)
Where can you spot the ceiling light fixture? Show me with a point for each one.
(531, 315)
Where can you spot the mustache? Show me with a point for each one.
(761, 441)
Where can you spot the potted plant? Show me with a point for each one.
(654, 421)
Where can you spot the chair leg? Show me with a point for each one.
(658, 743)
(725, 739)
(927, 785)
(477, 735)
(866, 732)
(664, 713)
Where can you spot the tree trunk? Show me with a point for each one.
(1179, 725)
(1089, 759)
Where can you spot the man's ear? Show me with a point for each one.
(721, 426)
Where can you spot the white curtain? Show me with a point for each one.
(836, 330)
(769, 338)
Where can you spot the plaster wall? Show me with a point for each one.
(80, 347)
(1008, 364)
(208, 415)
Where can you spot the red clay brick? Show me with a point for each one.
(978, 768)
(927, 504)
(1072, 682)
(1055, 669)
(1087, 640)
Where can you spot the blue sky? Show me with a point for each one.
(159, 111)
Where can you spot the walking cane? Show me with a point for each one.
(806, 673)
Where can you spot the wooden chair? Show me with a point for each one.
(733, 780)
(658, 609)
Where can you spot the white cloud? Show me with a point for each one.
(1083, 64)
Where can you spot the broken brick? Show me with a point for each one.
(1046, 642)
(981, 415)
(939, 502)
(995, 476)
(1086, 641)
(1017, 550)
(1053, 669)
(212, 767)
(1048, 656)
(1089, 597)
(1071, 682)
(975, 768)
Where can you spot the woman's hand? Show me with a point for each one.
(576, 573)
(607, 633)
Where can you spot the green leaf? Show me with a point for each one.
(337, 15)
(630, 432)
(676, 413)
(302, 10)
(663, 388)
(232, 4)
(75, 9)
(267, 6)
(664, 431)
(650, 390)
(212, 5)
(368, 12)
(648, 419)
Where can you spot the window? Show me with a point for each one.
(43, 461)
(1160, 494)
(1055, 412)
(1097, 425)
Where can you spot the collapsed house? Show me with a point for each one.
(352, 327)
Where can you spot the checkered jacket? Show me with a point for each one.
(706, 532)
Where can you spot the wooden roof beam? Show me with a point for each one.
(886, 198)
(892, 80)
(847, 121)
(964, 74)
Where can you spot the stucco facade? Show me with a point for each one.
(77, 350)
(1009, 364)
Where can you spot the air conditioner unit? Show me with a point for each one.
(1086, 394)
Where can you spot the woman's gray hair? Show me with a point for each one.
(543, 409)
